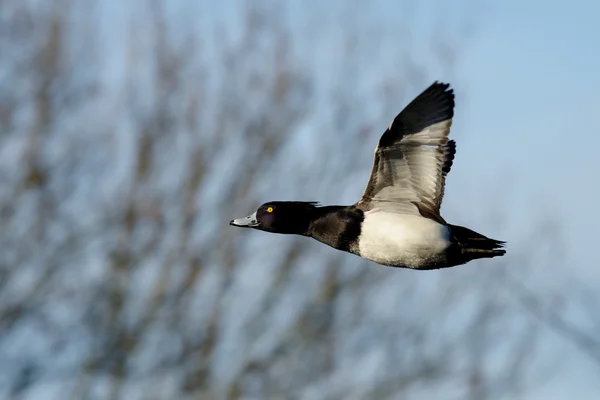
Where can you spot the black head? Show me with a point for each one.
(293, 217)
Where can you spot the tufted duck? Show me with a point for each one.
(397, 221)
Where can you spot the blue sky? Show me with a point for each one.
(530, 77)
(527, 85)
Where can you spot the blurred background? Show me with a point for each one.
(132, 132)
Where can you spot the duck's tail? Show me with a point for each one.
(474, 245)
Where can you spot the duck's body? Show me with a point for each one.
(397, 222)
(403, 240)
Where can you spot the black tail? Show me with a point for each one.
(472, 245)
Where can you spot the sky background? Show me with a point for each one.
(529, 92)
(525, 74)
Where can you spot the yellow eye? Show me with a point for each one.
(270, 209)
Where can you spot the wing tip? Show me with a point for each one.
(441, 86)
(443, 91)
(435, 104)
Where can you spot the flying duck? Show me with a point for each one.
(397, 221)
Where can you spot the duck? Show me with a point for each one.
(397, 221)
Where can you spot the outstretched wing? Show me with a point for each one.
(414, 156)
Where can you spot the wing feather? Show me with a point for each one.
(413, 157)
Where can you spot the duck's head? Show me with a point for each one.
(293, 217)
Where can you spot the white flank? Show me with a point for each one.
(400, 239)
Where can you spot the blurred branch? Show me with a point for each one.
(586, 343)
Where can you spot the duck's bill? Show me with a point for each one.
(246, 222)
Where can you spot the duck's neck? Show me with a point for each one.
(336, 226)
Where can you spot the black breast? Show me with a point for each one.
(338, 226)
